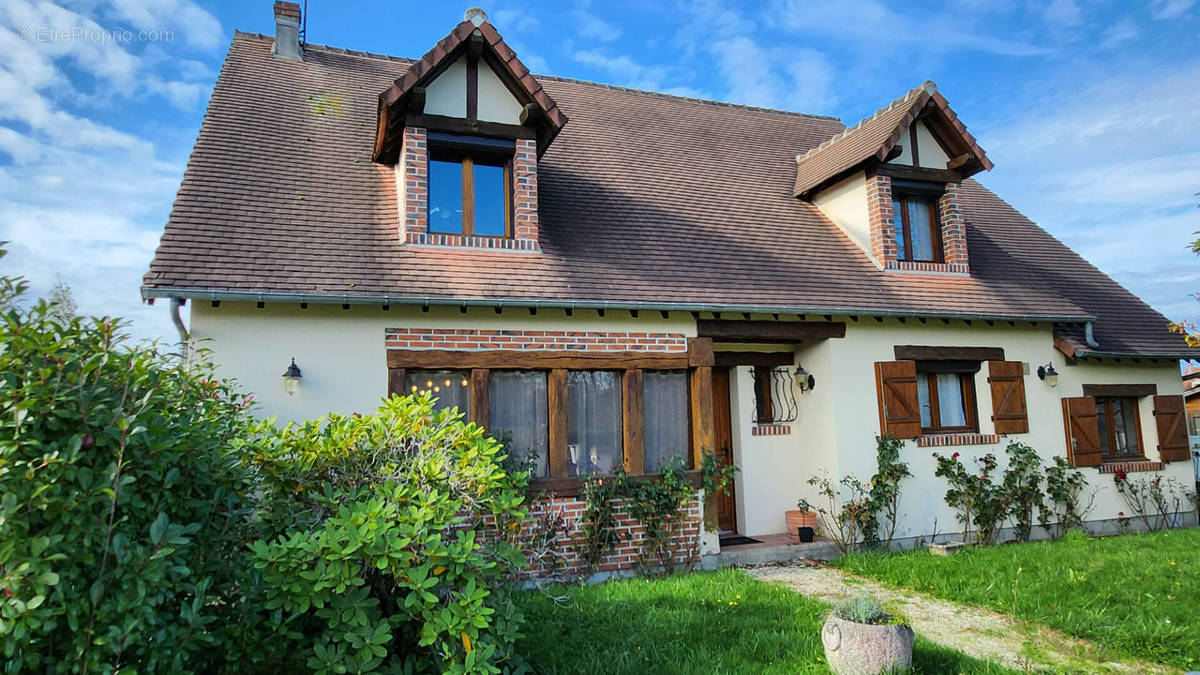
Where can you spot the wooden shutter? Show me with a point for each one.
(1008, 397)
(1083, 431)
(1170, 416)
(899, 406)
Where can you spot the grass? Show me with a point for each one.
(702, 622)
(1134, 595)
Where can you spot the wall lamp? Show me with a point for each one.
(804, 381)
(291, 379)
(1048, 374)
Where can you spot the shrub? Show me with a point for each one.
(862, 609)
(375, 555)
(1023, 488)
(660, 504)
(884, 502)
(1155, 501)
(843, 519)
(980, 501)
(122, 503)
(1064, 489)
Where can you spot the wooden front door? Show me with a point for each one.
(723, 441)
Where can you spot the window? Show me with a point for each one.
(450, 388)
(469, 191)
(946, 393)
(666, 421)
(517, 415)
(594, 443)
(774, 402)
(918, 234)
(1120, 431)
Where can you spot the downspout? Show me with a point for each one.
(1088, 336)
(184, 338)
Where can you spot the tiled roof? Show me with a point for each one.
(875, 136)
(645, 199)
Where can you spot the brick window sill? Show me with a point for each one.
(947, 440)
(771, 430)
(1134, 466)
(958, 269)
(461, 241)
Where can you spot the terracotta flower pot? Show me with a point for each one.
(798, 519)
(863, 649)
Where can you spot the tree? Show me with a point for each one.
(1190, 329)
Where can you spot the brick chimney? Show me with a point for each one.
(287, 31)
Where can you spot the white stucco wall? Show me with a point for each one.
(845, 203)
(341, 352)
(447, 95)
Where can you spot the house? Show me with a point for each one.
(610, 277)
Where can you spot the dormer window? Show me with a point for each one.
(470, 186)
(918, 232)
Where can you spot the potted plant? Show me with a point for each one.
(802, 522)
(861, 638)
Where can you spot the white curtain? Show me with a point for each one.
(920, 230)
(665, 430)
(450, 388)
(594, 443)
(517, 414)
(950, 400)
(923, 398)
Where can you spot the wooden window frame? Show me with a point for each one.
(1108, 441)
(467, 157)
(764, 406)
(966, 381)
(904, 229)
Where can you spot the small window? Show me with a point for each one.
(774, 401)
(594, 443)
(666, 421)
(1119, 428)
(450, 388)
(469, 192)
(946, 392)
(517, 415)
(918, 233)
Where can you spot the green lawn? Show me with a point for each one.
(703, 622)
(1138, 595)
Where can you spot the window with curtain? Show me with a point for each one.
(1118, 421)
(450, 388)
(665, 426)
(594, 442)
(918, 233)
(946, 392)
(517, 414)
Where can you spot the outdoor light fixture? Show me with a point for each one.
(1049, 374)
(803, 379)
(291, 379)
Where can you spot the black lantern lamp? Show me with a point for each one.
(1048, 374)
(803, 379)
(291, 379)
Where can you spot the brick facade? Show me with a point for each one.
(565, 558)
(471, 338)
(947, 440)
(883, 230)
(412, 192)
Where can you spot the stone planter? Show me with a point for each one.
(798, 519)
(863, 649)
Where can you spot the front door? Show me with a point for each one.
(723, 440)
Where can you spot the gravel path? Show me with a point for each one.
(971, 630)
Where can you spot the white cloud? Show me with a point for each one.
(1170, 9)
(1062, 12)
(794, 79)
(1119, 33)
(625, 71)
(591, 27)
(199, 27)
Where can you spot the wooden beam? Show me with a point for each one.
(532, 114)
(700, 351)
(769, 331)
(1122, 390)
(923, 353)
(396, 382)
(701, 400)
(761, 359)
(571, 487)
(959, 161)
(919, 173)
(556, 394)
(458, 125)
(895, 152)
(535, 359)
(474, 48)
(480, 397)
(632, 419)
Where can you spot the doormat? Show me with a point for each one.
(737, 541)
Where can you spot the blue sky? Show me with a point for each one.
(1090, 111)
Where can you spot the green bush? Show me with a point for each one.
(375, 556)
(862, 609)
(122, 504)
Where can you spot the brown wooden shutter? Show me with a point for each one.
(899, 406)
(1170, 416)
(1008, 397)
(1083, 431)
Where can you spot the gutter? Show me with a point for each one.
(176, 306)
(149, 293)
